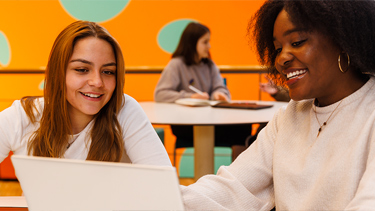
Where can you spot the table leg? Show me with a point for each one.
(203, 150)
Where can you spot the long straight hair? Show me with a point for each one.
(187, 46)
(52, 136)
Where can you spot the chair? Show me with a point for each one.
(160, 132)
(225, 136)
(186, 167)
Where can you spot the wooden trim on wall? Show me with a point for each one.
(155, 70)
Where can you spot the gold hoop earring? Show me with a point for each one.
(339, 61)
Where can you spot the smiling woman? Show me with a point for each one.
(317, 153)
(84, 113)
(308, 60)
(90, 80)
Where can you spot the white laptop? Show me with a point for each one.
(63, 184)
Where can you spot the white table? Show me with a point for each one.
(203, 119)
(13, 202)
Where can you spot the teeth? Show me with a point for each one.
(295, 73)
(91, 95)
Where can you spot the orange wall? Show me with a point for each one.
(31, 26)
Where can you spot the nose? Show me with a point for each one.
(95, 79)
(284, 58)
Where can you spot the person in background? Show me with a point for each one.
(279, 93)
(84, 113)
(191, 64)
(318, 152)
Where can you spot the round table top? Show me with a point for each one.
(175, 114)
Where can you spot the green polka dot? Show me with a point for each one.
(41, 85)
(169, 35)
(4, 50)
(94, 10)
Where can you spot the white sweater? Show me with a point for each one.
(142, 145)
(291, 168)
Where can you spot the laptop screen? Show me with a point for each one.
(63, 184)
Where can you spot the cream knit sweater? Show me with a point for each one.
(291, 168)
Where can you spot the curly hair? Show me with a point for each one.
(349, 24)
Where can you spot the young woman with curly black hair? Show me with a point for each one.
(317, 153)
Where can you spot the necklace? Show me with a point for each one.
(73, 140)
(324, 123)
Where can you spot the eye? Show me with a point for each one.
(81, 70)
(278, 50)
(296, 44)
(109, 72)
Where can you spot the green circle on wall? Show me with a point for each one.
(94, 10)
(4, 49)
(169, 35)
(41, 85)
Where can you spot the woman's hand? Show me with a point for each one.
(203, 96)
(220, 96)
(268, 87)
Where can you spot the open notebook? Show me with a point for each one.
(63, 184)
(223, 104)
(196, 102)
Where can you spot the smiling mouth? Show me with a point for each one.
(91, 95)
(295, 74)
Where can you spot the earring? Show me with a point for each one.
(339, 61)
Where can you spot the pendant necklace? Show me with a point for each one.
(73, 140)
(324, 123)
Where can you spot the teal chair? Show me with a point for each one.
(160, 132)
(223, 156)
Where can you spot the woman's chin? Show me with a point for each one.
(296, 97)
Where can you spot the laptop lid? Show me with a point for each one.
(63, 184)
(243, 105)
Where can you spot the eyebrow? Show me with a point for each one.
(290, 31)
(90, 63)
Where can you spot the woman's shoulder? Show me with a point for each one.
(174, 64)
(295, 108)
(130, 109)
(34, 102)
(129, 104)
(176, 61)
(17, 112)
(129, 99)
(300, 105)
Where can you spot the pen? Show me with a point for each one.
(195, 89)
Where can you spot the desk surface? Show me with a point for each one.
(174, 114)
(14, 203)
